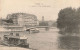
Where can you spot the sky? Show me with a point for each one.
(47, 8)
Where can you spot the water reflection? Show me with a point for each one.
(51, 40)
(69, 42)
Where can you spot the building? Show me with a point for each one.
(43, 22)
(5, 22)
(13, 17)
(23, 19)
(49, 23)
(43, 18)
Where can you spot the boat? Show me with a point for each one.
(15, 40)
(33, 30)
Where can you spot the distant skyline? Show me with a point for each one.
(47, 8)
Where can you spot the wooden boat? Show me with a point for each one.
(11, 40)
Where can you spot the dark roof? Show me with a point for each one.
(23, 14)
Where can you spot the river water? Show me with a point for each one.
(52, 40)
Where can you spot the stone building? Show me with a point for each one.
(23, 19)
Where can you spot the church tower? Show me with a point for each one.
(42, 18)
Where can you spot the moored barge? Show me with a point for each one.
(11, 40)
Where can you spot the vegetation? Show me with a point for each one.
(69, 20)
(9, 21)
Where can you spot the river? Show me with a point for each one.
(52, 40)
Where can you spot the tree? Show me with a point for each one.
(9, 21)
(67, 20)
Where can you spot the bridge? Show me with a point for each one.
(20, 27)
(41, 26)
(25, 26)
(46, 27)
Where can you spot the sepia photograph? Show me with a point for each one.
(39, 24)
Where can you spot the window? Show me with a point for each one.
(11, 34)
(17, 34)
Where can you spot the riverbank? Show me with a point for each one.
(12, 48)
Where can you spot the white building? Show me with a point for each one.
(24, 19)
